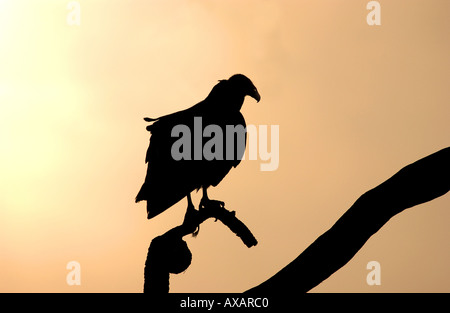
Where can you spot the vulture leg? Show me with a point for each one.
(205, 201)
(191, 215)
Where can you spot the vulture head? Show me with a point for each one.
(244, 86)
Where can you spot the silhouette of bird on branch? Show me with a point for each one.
(178, 166)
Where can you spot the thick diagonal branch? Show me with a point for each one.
(416, 183)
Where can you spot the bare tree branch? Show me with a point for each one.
(169, 253)
(416, 183)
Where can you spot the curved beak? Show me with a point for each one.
(255, 95)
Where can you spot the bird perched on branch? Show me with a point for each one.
(179, 161)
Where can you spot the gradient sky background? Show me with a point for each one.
(355, 103)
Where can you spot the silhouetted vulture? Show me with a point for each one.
(197, 147)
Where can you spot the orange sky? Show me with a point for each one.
(354, 103)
